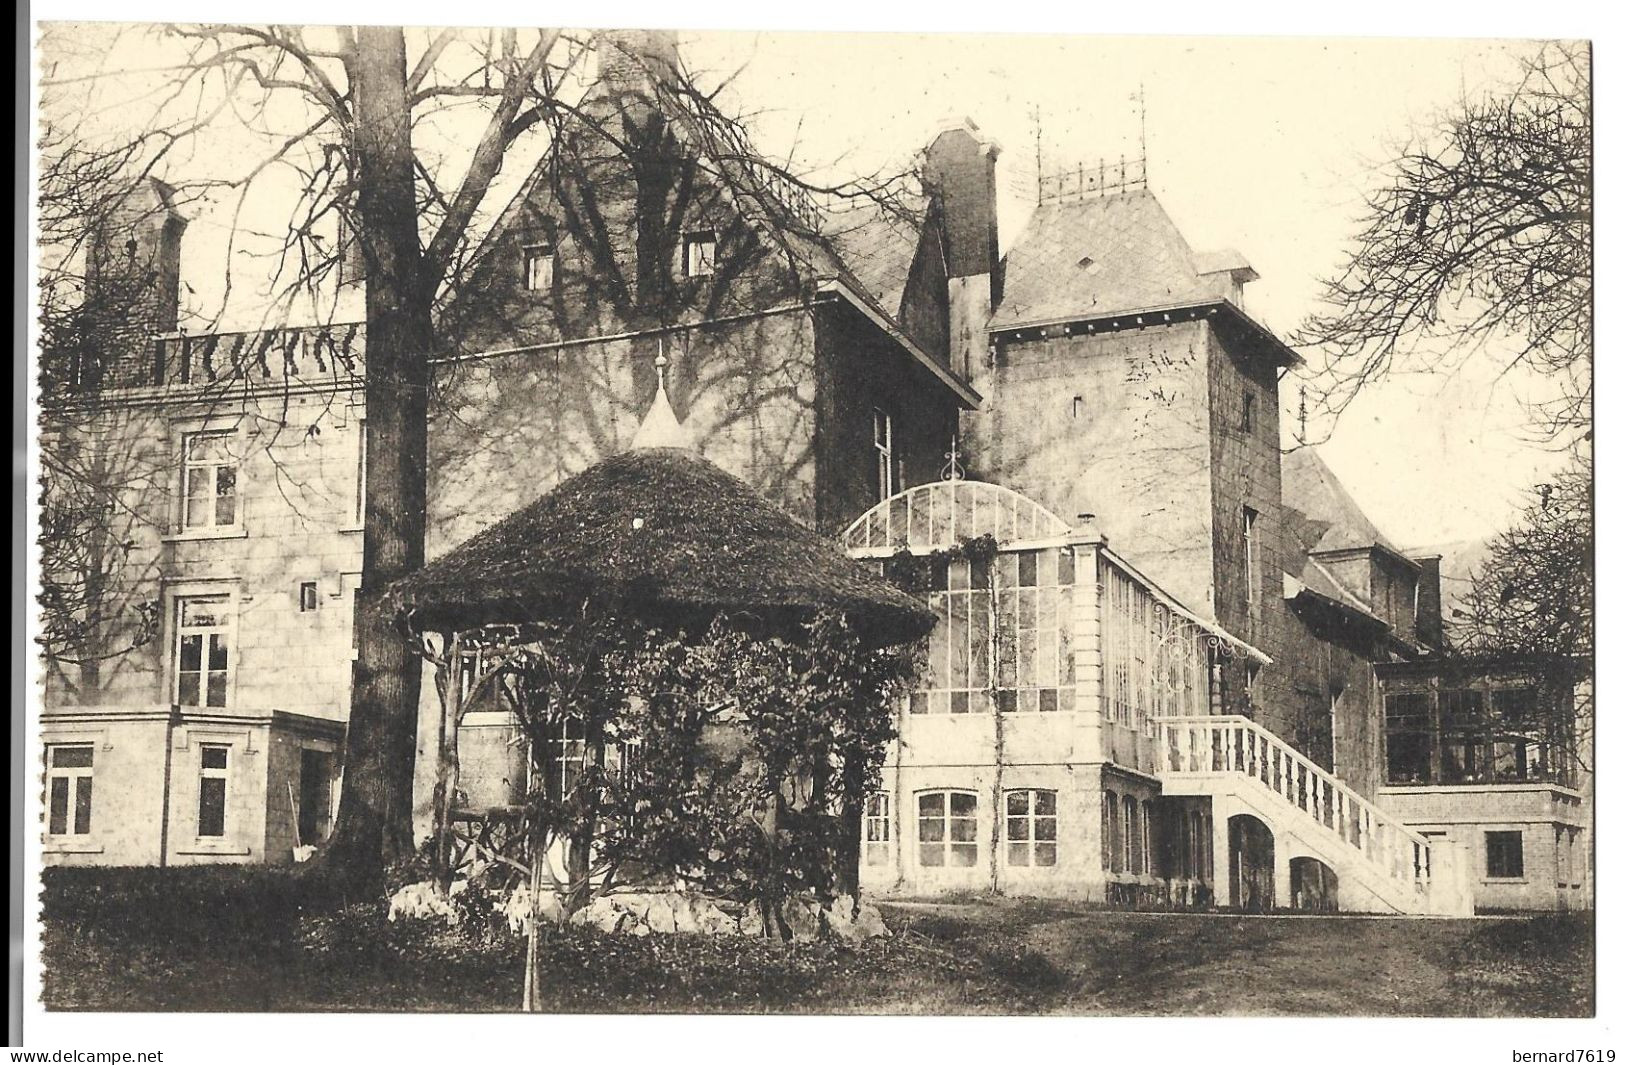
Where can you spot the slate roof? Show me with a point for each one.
(1309, 486)
(1101, 255)
(876, 246)
(1302, 572)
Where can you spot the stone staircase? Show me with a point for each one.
(1381, 866)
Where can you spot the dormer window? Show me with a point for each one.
(699, 254)
(539, 267)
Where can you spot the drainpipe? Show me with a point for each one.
(163, 812)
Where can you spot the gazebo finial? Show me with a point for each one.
(660, 426)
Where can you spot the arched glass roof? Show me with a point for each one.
(939, 515)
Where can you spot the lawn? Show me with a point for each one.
(245, 940)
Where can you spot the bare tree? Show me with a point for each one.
(1477, 246)
(1531, 605)
(348, 109)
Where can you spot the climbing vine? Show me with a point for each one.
(733, 757)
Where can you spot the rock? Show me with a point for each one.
(420, 902)
(868, 924)
(659, 915)
(804, 918)
(839, 918)
(685, 914)
(516, 908)
(750, 922)
(713, 920)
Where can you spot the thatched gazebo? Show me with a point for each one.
(658, 529)
(656, 539)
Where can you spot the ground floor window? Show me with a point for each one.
(68, 775)
(1503, 854)
(211, 794)
(877, 829)
(1133, 834)
(947, 828)
(1030, 823)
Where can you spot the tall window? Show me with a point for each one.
(208, 481)
(539, 267)
(947, 829)
(1410, 738)
(884, 482)
(1518, 748)
(1034, 650)
(1503, 854)
(1462, 726)
(1111, 833)
(202, 650)
(1029, 827)
(68, 771)
(1249, 416)
(1133, 835)
(699, 254)
(211, 790)
(877, 829)
(1249, 556)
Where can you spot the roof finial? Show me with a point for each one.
(953, 471)
(660, 426)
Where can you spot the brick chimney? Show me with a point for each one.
(629, 59)
(1429, 602)
(960, 174)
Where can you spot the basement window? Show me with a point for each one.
(699, 254)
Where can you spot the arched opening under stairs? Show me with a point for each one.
(1252, 864)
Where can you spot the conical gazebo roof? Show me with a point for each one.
(660, 528)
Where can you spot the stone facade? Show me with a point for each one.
(145, 804)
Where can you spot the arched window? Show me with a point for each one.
(1111, 833)
(947, 828)
(1030, 823)
(1132, 834)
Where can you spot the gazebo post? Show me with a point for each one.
(451, 697)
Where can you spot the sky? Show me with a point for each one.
(1263, 145)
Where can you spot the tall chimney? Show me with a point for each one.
(960, 174)
(1429, 602)
(630, 60)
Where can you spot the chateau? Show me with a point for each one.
(1172, 665)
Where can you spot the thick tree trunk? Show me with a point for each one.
(375, 811)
